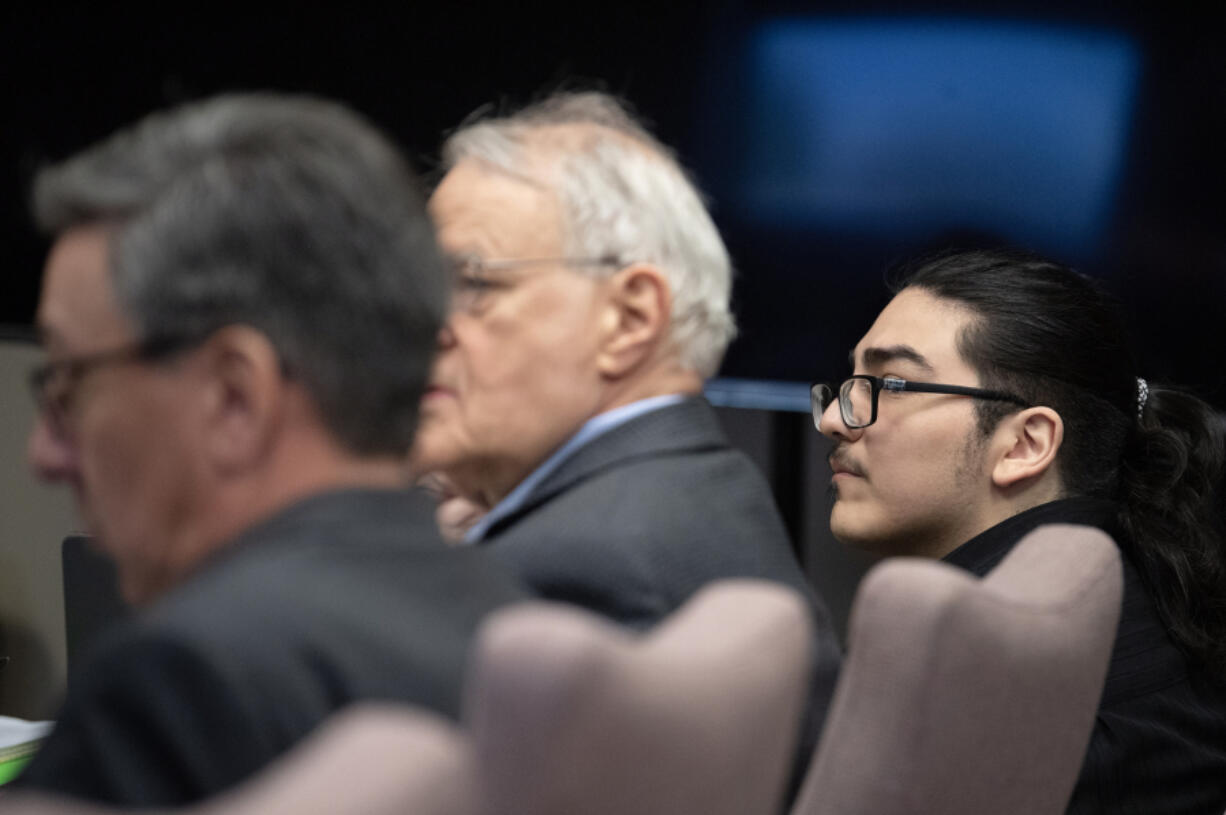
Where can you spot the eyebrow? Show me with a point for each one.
(876, 357)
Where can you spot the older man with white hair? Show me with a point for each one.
(591, 302)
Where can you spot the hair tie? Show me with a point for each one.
(1142, 395)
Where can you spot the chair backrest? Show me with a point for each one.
(371, 759)
(569, 714)
(961, 695)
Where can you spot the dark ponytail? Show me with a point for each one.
(1170, 476)
(1054, 337)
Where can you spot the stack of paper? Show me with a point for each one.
(19, 740)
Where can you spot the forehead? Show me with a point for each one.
(917, 331)
(482, 210)
(78, 308)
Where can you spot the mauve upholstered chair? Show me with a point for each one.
(962, 696)
(700, 716)
(370, 759)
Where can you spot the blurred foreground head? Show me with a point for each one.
(239, 309)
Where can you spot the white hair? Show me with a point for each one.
(622, 195)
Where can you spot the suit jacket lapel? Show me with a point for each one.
(686, 427)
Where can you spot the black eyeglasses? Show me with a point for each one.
(859, 393)
(471, 281)
(54, 384)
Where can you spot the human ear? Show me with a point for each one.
(243, 396)
(636, 318)
(1027, 443)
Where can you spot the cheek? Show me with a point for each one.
(106, 451)
(907, 481)
(513, 367)
(927, 476)
(135, 462)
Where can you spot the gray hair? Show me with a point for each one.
(622, 195)
(292, 215)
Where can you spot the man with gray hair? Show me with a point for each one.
(592, 300)
(239, 313)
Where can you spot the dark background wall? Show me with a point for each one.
(75, 71)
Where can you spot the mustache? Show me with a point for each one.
(840, 459)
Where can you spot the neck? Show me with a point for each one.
(665, 381)
(265, 493)
(239, 501)
(1002, 505)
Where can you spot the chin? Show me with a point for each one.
(843, 527)
(855, 536)
(432, 450)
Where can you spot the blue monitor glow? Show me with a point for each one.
(901, 128)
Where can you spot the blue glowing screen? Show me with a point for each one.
(904, 127)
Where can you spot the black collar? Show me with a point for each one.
(982, 552)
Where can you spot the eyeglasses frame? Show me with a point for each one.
(818, 404)
(469, 269)
(55, 408)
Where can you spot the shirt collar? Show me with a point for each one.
(596, 426)
(981, 553)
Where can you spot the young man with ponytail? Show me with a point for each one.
(1049, 421)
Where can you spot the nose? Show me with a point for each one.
(446, 334)
(832, 425)
(51, 458)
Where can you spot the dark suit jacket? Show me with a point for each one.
(641, 517)
(345, 596)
